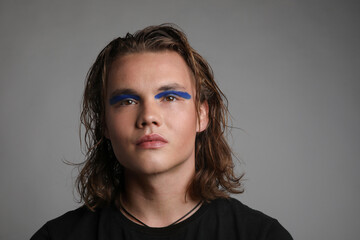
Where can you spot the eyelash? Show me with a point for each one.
(174, 98)
(130, 101)
(126, 101)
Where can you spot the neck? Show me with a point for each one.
(160, 199)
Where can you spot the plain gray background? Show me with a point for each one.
(290, 70)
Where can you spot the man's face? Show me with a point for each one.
(150, 110)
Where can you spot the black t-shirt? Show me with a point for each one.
(220, 219)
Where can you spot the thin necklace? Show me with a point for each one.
(130, 215)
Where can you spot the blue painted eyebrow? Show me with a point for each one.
(117, 98)
(184, 95)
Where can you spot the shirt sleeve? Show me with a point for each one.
(278, 232)
(41, 234)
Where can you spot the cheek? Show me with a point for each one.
(118, 125)
(182, 120)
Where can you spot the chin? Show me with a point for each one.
(156, 167)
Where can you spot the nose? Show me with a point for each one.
(149, 115)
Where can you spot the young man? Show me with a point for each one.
(158, 165)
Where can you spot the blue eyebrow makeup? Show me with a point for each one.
(184, 95)
(117, 98)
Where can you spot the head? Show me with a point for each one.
(101, 179)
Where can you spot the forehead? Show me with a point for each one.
(150, 70)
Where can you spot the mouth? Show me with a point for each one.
(151, 141)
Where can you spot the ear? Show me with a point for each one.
(203, 120)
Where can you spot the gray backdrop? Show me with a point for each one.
(289, 68)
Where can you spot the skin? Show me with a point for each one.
(158, 174)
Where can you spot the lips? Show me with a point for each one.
(151, 141)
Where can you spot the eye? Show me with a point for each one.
(172, 95)
(124, 100)
(128, 101)
(170, 98)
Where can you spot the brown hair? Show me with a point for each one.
(100, 180)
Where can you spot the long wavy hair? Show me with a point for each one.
(100, 180)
